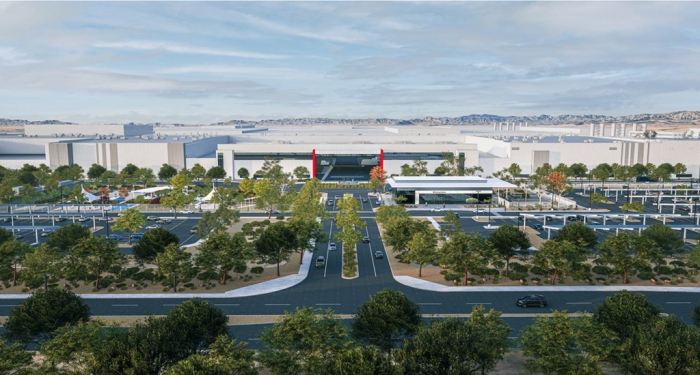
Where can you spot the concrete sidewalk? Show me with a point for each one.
(265, 287)
(435, 287)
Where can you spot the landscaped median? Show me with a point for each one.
(350, 270)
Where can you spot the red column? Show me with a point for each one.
(381, 159)
(313, 157)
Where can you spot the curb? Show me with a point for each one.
(265, 287)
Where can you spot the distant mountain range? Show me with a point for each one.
(680, 117)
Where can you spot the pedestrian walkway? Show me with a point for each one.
(265, 287)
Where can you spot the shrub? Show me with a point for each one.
(280, 217)
(602, 270)
(679, 271)
(452, 277)
(538, 270)
(517, 267)
(600, 279)
(664, 270)
(645, 275)
(444, 272)
(645, 268)
(207, 275)
(471, 279)
(257, 270)
(678, 263)
(189, 285)
(515, 276)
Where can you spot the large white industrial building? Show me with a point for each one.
(344, 152)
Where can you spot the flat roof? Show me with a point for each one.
(447, 182)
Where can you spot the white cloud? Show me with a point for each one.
(176, 48)
(10, 56)
(247, 71)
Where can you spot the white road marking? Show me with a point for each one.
(226, 304)
(277, 304)
(579, 303)
(370, 250)
(183, 222)
(124, 305)
(255, 339)
(187, 239)
(678, 303)
(169, 304)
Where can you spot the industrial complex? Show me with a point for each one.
(345, 153)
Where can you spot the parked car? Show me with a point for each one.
(683, 208)
(330, 202)
(83, 219)
(186, 212)
(115, 237)
(6, 219)
(535, 300)
(378, 255)
(438, 210)
(378, 203)
(154, 226)
(538, 227)
(193, 229)
(163, 221)
(46, 232)
(331, 246)
(152, 218)
(365, 239)
(136, 236)
(59, 219)
(320, 262)
(337, 196)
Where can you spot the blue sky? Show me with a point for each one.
(204, 62)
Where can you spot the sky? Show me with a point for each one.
(203, 62)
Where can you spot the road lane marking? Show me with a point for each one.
(171, 304)
(579, 303)
(277, 304)
(430, 303)
(370, 250)
(478, 303)
(124, 305)
(255, 339)
(226, 304)
(183, 222)
(327, 304)
(678, 303)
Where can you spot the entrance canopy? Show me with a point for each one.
(445, 189)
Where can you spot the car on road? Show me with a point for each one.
(437, 210)
(136, 236)
(539, 227)
(193, 229)
(365, 239)
(152, 218)
(46, 232)
(105, 219)
(6, 219)
(480, 211)
(533, 300)
(337, 196)
(154, 226)
(330, 202)
(83, 219)
(378, 255)
(320, 262)
(115, 237)
(186, 212)
(331, 246)
(163, 221)
(59, 219)
(683, 208)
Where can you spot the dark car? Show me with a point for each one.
(683, 208)
(539, 226)
(365, 239)
(60, 219)
(163, 221)
(535, 300)
(378, 255)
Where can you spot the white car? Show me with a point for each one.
(46, 233)
(331, 246)
(83, 219)
(154, 226)
(479, 210)
(438, 210)
(186, 212)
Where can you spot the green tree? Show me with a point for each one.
(694, 256)
(303, 342)
(270, 197)
(301, 172)
(578, 170)
(422, 249)
(13, 358)
(166, 172)
(387, 213)
(596, 198)
(37, 317)
(307, 210)
(375, 184)
(695, 315)
(28, 194)
(420, 166)
(224, 253)
(77, 196)
(198, 171)
(99, 255)
(173, 263)
(559, 257)
(407, 170)
(665, 238)
(632, 207)
(625, 251)
(452, 164)
(578, 234)
(152, 243)
(624, 313)
(679, 168)
(509, 241)
(398, 232)
(216, 172)
(561, 345)
(450, 225)
(663, 172)
(364, 360)
(387, 318)
(276, 244)
(602, 172)
(177, 197)
(131, 220)
(348, 220)
(6, 235)
(246, 186)
(12, 255)
(41, 265)
(225, 356)
(454, 347)
(467, 252)
(243, 173)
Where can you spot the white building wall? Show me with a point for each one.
(152, 155)
(23, 145)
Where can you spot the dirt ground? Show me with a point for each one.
(235, 282)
